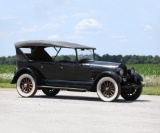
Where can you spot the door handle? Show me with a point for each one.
(61, 67)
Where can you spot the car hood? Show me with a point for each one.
(104, 66)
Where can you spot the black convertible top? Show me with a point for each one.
(47, 43)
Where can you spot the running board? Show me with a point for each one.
(63, 88)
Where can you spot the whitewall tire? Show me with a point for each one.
(50, 92)
(108, 89)
(26, 85)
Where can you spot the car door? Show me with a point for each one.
(65, 70)
(65, 64)
(83, 72)
(48, 69)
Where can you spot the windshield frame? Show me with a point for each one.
(77, 54)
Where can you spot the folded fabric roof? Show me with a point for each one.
(47, 43)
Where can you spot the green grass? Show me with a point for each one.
(7, 68)
(146, 69)
(7, 85)
(6, 75)
(151, 76)
(151, 90)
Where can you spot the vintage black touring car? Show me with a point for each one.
(48, 66)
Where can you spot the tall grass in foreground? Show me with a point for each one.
(6, 75)
(151, 76)
(150, 73)
(6, 72)
(7, 68)
(147, 69)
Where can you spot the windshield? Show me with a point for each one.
(86, 54)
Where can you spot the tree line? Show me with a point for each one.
(127, 59)
(130, 59)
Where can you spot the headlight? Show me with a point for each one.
(120, 71)
(131, 71)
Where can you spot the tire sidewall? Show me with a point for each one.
(133, 96)
(100, 94)
(48, 93)
(34, 88)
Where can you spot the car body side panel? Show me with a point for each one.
(83, 72)
(47, 69)
(65, 71)
(69, 84)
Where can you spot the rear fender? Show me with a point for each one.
(28, 70)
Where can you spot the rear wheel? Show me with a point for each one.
(108, 89)
(132, 94)
(26, 85)
(50, 92)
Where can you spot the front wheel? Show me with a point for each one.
(108, 89)
(132, 94)
(50, 92)
(26, 85)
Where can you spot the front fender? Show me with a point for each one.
(111, 74)
(23, 70)
(137, 77)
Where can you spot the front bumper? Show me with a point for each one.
(130, 86)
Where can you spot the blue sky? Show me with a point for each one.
(127, 27)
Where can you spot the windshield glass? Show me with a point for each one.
(86, 54)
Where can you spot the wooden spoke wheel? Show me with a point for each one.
(26, 85)
(108, 89)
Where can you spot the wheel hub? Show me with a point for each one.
(25, 85)
(107, 88)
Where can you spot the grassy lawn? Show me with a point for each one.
(151, 90)
(152, 85)
(7, 85)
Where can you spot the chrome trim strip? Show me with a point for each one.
(65, 88)
(99, 65)
(103, 66)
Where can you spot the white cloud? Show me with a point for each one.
(6, 34)
(88, 26)
(34, 28)
(8, 18)
(66, 1)
(53, 37)
(81, 15)
(74, 37)
(37, 28)
(11, 19)
(148, 27)
(72, 4)
(60, 19)
(49, 26)
(120, 38)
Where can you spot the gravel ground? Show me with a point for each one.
(80, 112)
